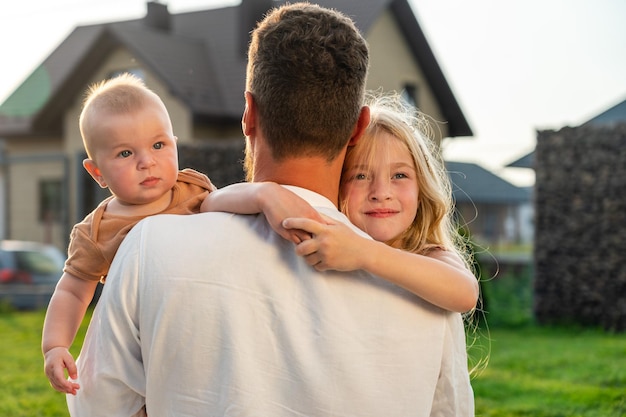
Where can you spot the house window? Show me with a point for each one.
(409, 94)
(137, 72)
(50, 200)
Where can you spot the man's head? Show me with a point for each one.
(306, 74)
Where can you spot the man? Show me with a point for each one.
(215, 314)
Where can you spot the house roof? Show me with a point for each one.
(526, 161)
(200, 56)
(609, 117)
(475, 184)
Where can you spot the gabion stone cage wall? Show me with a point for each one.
(220, 161)
(580, 222)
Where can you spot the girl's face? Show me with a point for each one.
(380, 195)
(136, 155)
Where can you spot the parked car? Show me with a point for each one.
(29, 272)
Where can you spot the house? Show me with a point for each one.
(610, 117)
(495, 211)
(196, 62)
(526, 161)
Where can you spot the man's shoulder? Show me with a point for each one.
(192, 224)
(173, 220)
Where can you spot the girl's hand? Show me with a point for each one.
(333, 245)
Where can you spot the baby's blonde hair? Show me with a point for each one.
(433, 226)
(122, 94)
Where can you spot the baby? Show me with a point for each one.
(131, 150)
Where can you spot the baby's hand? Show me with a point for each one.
(56, 360)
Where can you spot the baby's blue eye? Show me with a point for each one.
(158, 145)
(125, 154)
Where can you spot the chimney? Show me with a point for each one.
(158, 17)
(251, 12)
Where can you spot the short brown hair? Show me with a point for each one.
(307, 67)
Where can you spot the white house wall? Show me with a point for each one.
(392, 66)
(3, 206)
(24, 174)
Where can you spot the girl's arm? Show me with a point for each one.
(271, 199)
(65, 313)
(440, 278)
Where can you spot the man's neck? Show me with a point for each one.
(315, 174)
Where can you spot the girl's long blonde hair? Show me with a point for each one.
(433, 227)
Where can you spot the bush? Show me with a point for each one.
(507, 299)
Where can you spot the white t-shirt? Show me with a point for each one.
(215, 315)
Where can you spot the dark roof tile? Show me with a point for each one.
(610, 117)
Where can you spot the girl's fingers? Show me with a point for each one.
(311, 259)
(306, 248)
(301, 223)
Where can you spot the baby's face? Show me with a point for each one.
(136, 155)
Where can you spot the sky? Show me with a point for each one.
(515, 67)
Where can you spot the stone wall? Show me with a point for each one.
(221, 161)
(580, 226)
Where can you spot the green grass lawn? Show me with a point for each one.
(553, 372)
(24, 389)
(532, 371)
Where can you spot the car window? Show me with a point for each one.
(36, 262)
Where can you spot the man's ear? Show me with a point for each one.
(95, 173)
(248, 120)
(361, 124)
